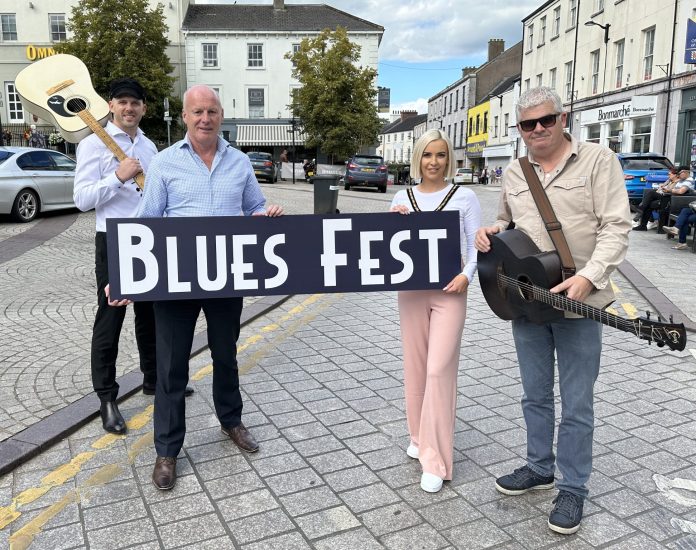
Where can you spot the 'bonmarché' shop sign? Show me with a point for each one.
(637, 107)
(185, 258)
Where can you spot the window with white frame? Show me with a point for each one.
(256, 103)
(210, 55)
(15, 111)
(599, 5)
(456, 100)
(542, 31)
(295, 49)
(594, 70)
(618, 72)
(539, 79)
(527, 84)
(648, 51)
(530, 37)
(556, 27)
(506, 124)
(56, 23)
(568, 80)
(450, 103)
(552, 78)
(640, 140)
(8, 26)
(254, 55)
(572, 13)
(495, 126)
(593, 133)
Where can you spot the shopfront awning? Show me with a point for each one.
(267, 134)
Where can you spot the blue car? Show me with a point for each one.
(641, 171)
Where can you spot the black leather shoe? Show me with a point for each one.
(149, 389)
(112, 420)
(164, 474)
(242, 438)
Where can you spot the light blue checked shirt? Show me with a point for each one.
(179, 184)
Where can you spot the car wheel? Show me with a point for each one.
(26, 206)
(346, 187)
(383, 189)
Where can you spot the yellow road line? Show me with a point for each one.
(630, 310)
(8, 514)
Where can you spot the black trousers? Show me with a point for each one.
(652, 200)
(176, 323)
(107, 331)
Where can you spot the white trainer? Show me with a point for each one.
(430, 483)
(412, 451)
(651, 225)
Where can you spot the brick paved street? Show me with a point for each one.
(323, 393)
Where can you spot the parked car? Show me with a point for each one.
(34, 181)
(366, 171)
(264, 167)
(465, 175)
(641, 171)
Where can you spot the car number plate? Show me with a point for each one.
(368, 169)
(259, 172)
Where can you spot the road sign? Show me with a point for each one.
(168, 118)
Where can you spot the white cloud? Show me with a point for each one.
(420, 105)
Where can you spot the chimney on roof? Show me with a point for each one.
(496, 46)
(278, 4)
(407, 114)
(467, 70)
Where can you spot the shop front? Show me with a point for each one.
(474, 152)
(685, 152)
(498, 156)
(626, 127)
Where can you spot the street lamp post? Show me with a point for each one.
(605, 28)
(292, 130)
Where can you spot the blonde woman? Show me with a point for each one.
(432, 321)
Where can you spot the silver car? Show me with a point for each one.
(33, 181)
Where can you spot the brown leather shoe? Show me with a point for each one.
(164, 474)
(242, 438)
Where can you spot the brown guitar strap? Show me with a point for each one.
(553, 226)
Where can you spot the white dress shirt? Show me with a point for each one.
(96, 184)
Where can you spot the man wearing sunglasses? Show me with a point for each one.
(584, 183)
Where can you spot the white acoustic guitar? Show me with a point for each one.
(59, 88)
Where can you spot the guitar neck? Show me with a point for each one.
(107, 140)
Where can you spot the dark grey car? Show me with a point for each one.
(264, 167)
(366, 171)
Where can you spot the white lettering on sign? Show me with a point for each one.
(202, 263)
(239, 267)
(175, 285)
(128, 251)
(401, 256)
(275, 260)
(330, 260)
(366, 263)
(432, 236)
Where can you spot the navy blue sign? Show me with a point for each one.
(690, 53)
(183, 258)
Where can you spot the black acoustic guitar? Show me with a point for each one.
(516, 277)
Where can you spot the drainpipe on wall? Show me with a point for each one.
(669, 82)
(572, 79)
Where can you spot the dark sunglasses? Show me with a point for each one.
(546, 121)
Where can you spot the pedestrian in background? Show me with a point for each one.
(584, 184)
(432, 321)
(283, 160)
(107, 185)
(180, 183)
(36, 137)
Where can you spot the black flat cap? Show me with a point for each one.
(126, 87)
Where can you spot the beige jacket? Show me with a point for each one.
(589, 197)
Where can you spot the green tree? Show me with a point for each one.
(336, 101)
(125, 38)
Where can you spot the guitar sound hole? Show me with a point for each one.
(524, 287)
(76, 104)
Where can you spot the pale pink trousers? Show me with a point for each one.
(431, 332)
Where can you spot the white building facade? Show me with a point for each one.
(397, 139)
(503, 138)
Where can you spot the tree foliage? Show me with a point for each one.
(125, 38)
(336, 101)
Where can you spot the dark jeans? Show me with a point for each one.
(686, 217)
(652, 200)
(107, 330)
(176, 323)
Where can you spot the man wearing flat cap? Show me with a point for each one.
(107, 185)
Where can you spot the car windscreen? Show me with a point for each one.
(653, 163)
(4, 155)
(369, 161)
(464, 170)
(259, 156)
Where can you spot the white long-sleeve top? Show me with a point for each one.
(96, 184)
(466, 203)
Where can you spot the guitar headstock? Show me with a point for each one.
(672, 335)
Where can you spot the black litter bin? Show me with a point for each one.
(325, 193)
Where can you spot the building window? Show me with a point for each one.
(594, 64)
(449, 131)
(57, 26)
(15, 110)
(450, 103)
(478, 124)
(568, 80)
(599, 5)
(556, 28)
(463, 98)
(461, 133)
(648, 50)
(615, 135)
(210, 55)
(552, 78)
(444, 105)
(456, 100)
(572, 13)
(640, 141)
(618, 80)
(254, 55)
(454, 136)
(495, 126)
(471, 126)
(506, 124)
(530, 37)
(542, 31)
(539, 80)
(527, 84)
(484, 129)
(8, 26)
(256, 103)
(593, 133)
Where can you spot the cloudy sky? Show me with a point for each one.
(427, 42)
